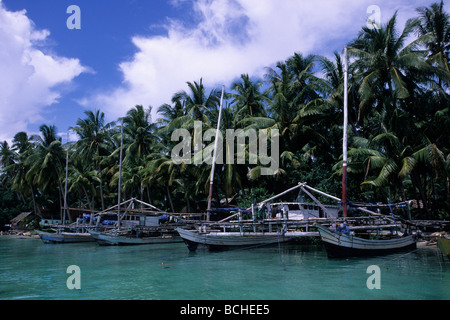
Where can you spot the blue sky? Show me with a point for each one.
(131, 52)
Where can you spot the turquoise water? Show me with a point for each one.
(31, 270)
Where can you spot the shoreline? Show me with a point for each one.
(18, 235)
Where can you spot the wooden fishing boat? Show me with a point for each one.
(125, 225)
(127, 239)
(65, 237)
(443, 243)
(215, 240)
(346, 245)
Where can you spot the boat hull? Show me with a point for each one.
(444, 246)
(105, 239)
(224, 240)
(65, 237)
(341, 245)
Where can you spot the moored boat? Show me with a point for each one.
(118, 239)
(131, 226)
(339, 244)
(443, 243)
(225, 240)
(65, 237)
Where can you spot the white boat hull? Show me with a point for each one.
(341, 245)
(238, 239)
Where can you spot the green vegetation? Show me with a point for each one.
(398, 133)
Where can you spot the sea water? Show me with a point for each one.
(32, 270)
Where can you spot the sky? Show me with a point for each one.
(140, 52)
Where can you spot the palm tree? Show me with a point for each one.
(304, 83)
(23, 146)
(249, 100)
(189, 107)
(197, 106)
(22, 143)
(198, 102)
(94, 135)
(399, 102)
(433, 24)
(384, 66)
(94, 142)
(47, 162)
(139, 132)
(164, 171)
(331, 86)
(433, 27)
(7, 155)
(139, 141)
(169, 113)
(295, 105)
(83, 177)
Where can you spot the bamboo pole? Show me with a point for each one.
(149, 205)
(322, 193)
(279, 195)
(211, 183)
(120, 176)
(317, 202)
(344, 164)
(65, 187)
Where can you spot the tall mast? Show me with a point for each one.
(66, 209)
(211, 183)
(344, 164)
(120, 175)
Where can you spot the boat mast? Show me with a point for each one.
(120, 176)
(211, 183)
(344, 163)
(65, 187)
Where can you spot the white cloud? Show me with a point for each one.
(233, 37)
(29, 77)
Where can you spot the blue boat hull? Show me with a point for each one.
(65, 237)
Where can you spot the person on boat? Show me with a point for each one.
(342, 228)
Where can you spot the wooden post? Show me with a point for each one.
(211, 183)
(120, 176)
(66, 206)
(344, 165)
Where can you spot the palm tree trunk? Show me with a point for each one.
(170, 199)
(448, 193)
(186, 196)
(402, 191)
(61, 203)
(87, 198)
(36, 212)
(141, 192)
(423, 197)
(101, 195)
(148, 195)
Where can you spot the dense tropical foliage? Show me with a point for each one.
(399, 137)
